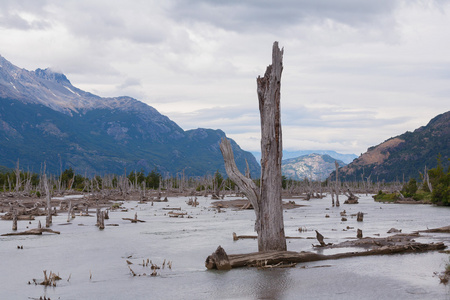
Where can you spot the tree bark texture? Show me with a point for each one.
(272, 235)
(267, 199)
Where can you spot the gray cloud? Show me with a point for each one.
(257, 15)
(12, 15)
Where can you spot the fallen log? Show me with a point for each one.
(9, 217)
(133, 220)
(445, 229)
(35, 231)
(254, 237)
(288, 257)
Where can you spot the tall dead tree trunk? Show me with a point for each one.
(267, 199)
(48, 219)
(337, 183)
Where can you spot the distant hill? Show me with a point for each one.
(312, 166)
(403, 156)
(44, 118)
(346, 158)
(4, 169)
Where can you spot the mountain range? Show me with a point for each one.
(316, 167)
(403, 156)
(346, 158)
(45, 119)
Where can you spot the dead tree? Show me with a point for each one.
(14, 225)
(48, 219)
(337, 182)
(266, 200)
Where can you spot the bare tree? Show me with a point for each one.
(266, 200)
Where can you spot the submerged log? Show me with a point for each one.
(288, 257)
(445, 229)
(35, 231)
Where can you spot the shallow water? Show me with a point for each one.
(92, 263)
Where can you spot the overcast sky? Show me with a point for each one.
(356, 72)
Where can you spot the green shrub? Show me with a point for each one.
(386, 197)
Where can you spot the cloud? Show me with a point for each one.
(23, 15)
(276, 15)
(355, 72)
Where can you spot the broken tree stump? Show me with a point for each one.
(359, 216)
(359, 234)
(218, 260)
(14, 224)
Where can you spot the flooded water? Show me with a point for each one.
(92, 263)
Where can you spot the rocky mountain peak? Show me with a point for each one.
(48, 74)
(43, 116)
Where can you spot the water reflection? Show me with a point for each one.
(271, 283)
(187, 242)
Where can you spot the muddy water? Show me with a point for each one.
(92, 263)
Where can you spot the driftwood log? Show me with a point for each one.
(288, 257)
(35, 231)
(135, 220)
(445, 229)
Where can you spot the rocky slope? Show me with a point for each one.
(404, 156)
(45, 119)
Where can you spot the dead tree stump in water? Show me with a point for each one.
(359, 217)
(359, 234)
(48, 219)
(218, 260)
(14, 224)
(101, 224)
(265, 200)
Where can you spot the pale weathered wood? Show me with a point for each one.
(265, 200)
(48, 219)
(246, 184)
(275, 257)
(337, 183)
(272, 235)
(35, 231)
